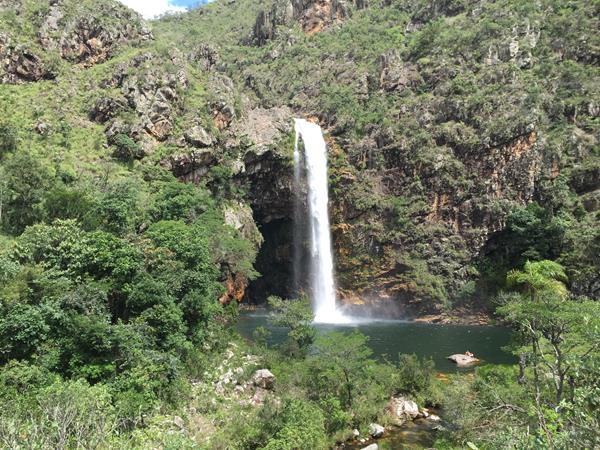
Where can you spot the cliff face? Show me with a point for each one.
(443, 118)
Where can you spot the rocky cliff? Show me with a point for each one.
(444, 119)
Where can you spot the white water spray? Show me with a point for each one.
(321, 261)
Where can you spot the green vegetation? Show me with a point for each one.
(464, 172)
(550, 400)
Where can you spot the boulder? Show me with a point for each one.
(371, 447)
(463, 360)
(198, 137)
(259, 397)
(263, 378)
(42, 128)
(179, 423)
(402, 409)
(376, 430)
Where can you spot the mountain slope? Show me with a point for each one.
(445, 119)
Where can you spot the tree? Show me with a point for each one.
(295, 315)
(557, 335)
(342, 361)
(8, 139)
(27, 182)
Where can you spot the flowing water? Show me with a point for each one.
(389, 338)
(322, 285)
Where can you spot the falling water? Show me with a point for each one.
(321, 260)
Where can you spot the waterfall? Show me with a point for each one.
(322, 285)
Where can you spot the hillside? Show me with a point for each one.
(445, 120)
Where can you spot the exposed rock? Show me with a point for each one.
(107, 108)
(394, 74)
(205, 56)
(264, 28)
(264, 167)
(355, 433)
(434, 418)
(223, 114)
(268, 179)
(50, 26)
(371, 447)
(591, 201)
(262, 128)
(153, 94)
(9, 4)
(313, 16)
(376, 430)
(90, 39)
(191, 166)
(124, 69)
(235, 285)
(223, 92)
(18, 64)
(239, 216)
(198, 137)
(259, 397)
(42, 128)
(402, 410)
(585, 179)
(463, 360)
(179, 423)
(264, 379)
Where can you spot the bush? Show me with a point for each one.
(416, 377)
(8, 139)
(126, 149)
(301, 426)
(63, 415)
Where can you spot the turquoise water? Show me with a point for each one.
(387, 339)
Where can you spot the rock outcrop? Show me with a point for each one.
(263, 378)
(19, 64)
(313, 16)
(79, 33)
(463, 360)
(264, 166)
(86, 38)
(402, 410)
(153, 95)
(394, 74)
